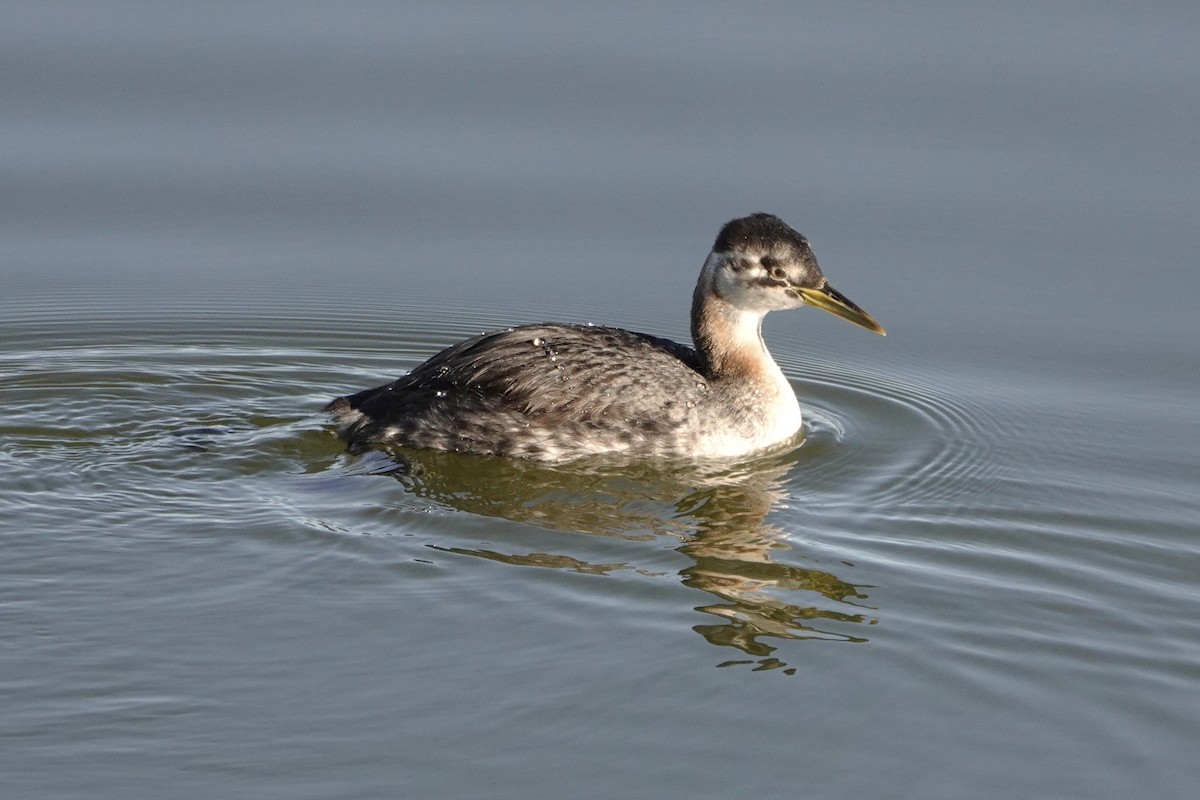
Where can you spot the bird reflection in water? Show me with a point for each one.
(718, 515)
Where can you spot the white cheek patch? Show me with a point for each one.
(740, 290)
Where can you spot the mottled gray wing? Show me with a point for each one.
(548, 371)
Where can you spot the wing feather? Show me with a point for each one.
(546, 371)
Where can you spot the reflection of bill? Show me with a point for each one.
(718, 514)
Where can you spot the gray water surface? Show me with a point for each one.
(976, 576)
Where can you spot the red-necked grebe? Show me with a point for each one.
(560, 392)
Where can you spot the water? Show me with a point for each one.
(975, 578)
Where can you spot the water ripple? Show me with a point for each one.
(201, 420)
(886, 441)
(900, 444)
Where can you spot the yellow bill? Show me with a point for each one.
(831, 300)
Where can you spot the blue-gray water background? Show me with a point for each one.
(976, 579)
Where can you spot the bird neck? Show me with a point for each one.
(729, 339)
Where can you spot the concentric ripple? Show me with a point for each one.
(87, 373)
(915, 445)
(189, 419)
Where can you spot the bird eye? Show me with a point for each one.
(771, 265)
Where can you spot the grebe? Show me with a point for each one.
(557, 392)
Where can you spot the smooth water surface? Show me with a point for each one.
(976, 576)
